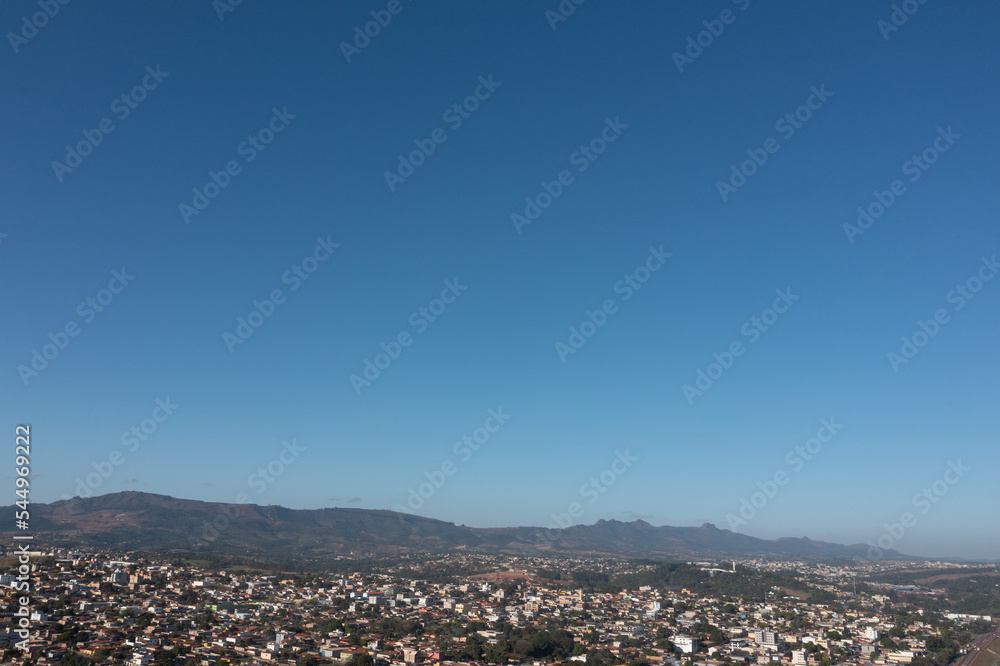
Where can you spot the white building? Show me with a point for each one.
(141, 658)
(686, 644)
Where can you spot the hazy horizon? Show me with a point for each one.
(552, 524)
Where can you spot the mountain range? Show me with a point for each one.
(137, 521)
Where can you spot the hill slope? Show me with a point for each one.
(144, 521)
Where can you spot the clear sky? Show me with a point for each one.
(211, 157)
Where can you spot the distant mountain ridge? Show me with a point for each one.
(143, 521)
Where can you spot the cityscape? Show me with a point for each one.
(94, 608)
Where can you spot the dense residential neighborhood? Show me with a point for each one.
(101, 608)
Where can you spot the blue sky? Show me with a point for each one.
(671, 133)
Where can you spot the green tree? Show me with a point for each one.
(935, 644)
(473, 649)
(498, 652)
(74, 659)
(332, 625)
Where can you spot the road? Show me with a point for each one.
(973, 649)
